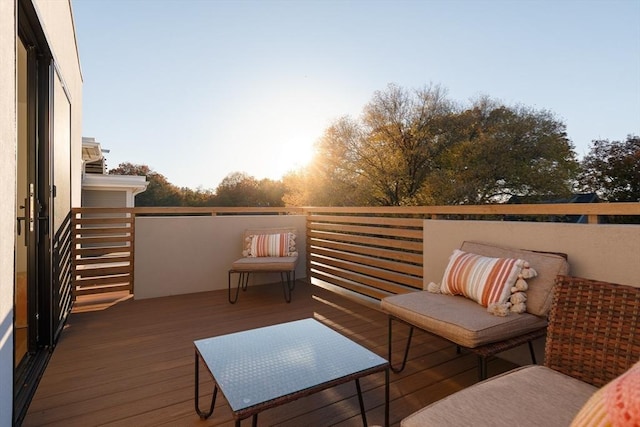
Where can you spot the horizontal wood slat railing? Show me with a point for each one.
(374, 255)
(370, 251)
(377, 251)
(103, 250)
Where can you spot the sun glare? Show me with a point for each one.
(293, 140)
(298, 150)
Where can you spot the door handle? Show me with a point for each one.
(18, 219)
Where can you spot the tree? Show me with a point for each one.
(199, 197)
(241, 189)
(419, 148)
(492, 152)
(160, 191)
(612, 170)
(384, 158)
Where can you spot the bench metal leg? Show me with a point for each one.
(292, 285)
(399, 369)
(533, 353)
(482, 362)
(287, 278)
(243, 282)
(482, 368)
(286, 285)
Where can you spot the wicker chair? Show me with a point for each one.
(593, 332)
(592, 338)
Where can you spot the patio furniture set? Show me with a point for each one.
(491, 299)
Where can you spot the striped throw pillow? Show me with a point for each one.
(483, 279)
(271, 245)
(615, 404)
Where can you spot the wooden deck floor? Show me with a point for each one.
(130, 363)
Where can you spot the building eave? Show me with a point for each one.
(137, 184)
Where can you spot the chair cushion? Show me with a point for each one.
(547, 265)
(528, 396)
(458, 319)
(265, 264)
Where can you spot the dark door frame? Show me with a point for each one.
(29, 370)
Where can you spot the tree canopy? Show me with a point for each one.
(159, 192)
(419, 148)
(612, 170)
(236, 189)
(241, 189)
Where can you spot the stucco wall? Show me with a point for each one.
(57, 22)
(7, 207)
(610, 253)
(179, 255)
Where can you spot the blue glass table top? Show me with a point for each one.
(265, 364)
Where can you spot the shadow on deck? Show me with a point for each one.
(125, 362)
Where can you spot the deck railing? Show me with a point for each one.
(370, 251)
(103, 250)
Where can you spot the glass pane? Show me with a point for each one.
(61, 154)
(21, 323)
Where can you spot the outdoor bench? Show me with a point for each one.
(266, 250)
(467, 323)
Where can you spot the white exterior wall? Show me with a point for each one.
(104, 199)
(8, 144)
(57, 20)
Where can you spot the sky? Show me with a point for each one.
(199, 89)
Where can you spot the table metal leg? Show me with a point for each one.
(386, 397)
(254, 421)
(203, 415)
(362, 412)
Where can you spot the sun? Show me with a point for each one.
(300, 149)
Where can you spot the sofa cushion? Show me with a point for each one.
(457, 318)
(547, 265)
(538, 396)
(265, 264)
(485, 280)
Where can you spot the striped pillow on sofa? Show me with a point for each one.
(483, 279)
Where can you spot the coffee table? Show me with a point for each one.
(266, 367)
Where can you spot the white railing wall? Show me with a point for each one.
(186, 254)
(364, 252)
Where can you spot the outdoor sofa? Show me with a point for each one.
(591, 374)
(466, 322)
